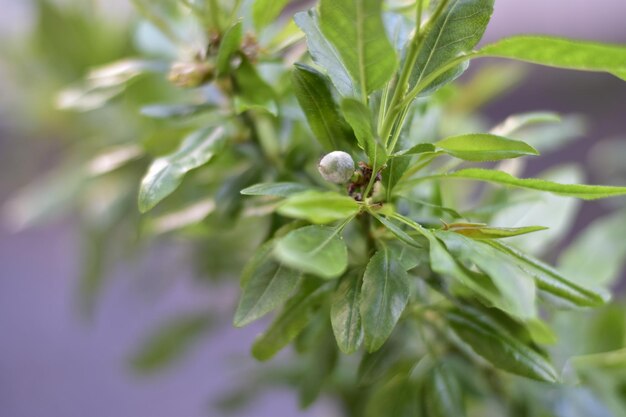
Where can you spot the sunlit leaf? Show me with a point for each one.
(319, 207)
(279, 189)
(482, 147)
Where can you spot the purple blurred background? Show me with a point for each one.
(53, 363)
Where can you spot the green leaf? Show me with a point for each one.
(482, 147)
(324, 54)
(345, 316)
(166, 173)
(516, 288)
(266, 285)
(458, 29)
(252, 91)
(585, 192)
(561, 53)
(420, 148)
(328, 126)
(293, 318)
(384, 296)
(359, 117)
(170, 342)
(396, 167)
(319, 207)
(397, 230)
(443, 394)
(484, 232)
(318, 250)
(355, 28)
(279, 189)
(550, 280)
(265, 12)
(497, 346)
(228, 46)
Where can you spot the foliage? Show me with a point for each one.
(403, 264)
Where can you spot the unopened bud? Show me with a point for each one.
(190, 74)
(337, 167)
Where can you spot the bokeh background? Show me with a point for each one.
(56, 362)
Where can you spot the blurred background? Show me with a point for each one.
(57, 361)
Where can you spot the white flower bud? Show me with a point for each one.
(337, 167)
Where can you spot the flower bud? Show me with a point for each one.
(337, 167)
(190, 74)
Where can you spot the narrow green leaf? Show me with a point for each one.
(397, 230)
(345, 316)
(313, 94)
(170, 342)
(384, 296)
(319, 207)
(265, 12)
(266, 285)
(443, 393)
(391, 175)
(166, 173)
(279, 189)
(482, 147)
(175, 111)
(550, 280)
(324, 54)
(519, 121)
(318, 250)
(561, 53)
(483, 232)
(228, 46)
(585, 192)
(292, 319)
(497, 346)
(359, 117)
(458, 29)
(356, 29)
(516, 288)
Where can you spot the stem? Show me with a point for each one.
(434, 75)
(214, 10)
(396, 107)
(156, 20)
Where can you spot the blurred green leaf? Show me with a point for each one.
(252, 91)
(166, 173)
(229, 44)
(359, 117)
(279, 189)
(443, 394)
(484, 232)
(170, 342)
(265, 12)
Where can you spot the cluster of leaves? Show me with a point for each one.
(412, 277)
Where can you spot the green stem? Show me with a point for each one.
(214, 14)
(395, 107)
(434, 75)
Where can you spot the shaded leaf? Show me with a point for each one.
(265, 12)
(228, 46)
(443, 393)
(328, 126)
(252, 91)
(384, 296)
(495, 345)
(355, 28)
(359, 117)
(484, 232)
(318, 250)
(266, 285)
(345, 315)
